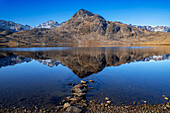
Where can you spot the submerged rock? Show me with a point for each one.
(106, 98)
(109, 102)
(166, 98)
(91, 81)
(134, 103)
(78, 94)
(73, 109)
(91, 88)
(66, 105)
(83, 82)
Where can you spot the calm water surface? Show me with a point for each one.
(40, 76)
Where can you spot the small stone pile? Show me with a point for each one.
(77, 102)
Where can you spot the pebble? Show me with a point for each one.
(144, 101)
(106, 105)
(71, 84)
(168, 106)
(78, 94)
(73, 109)
(66, 105)
(109, 102)
(83, 82)
(73, 99)
(106, 98)
(91, 81)
(163, 96)
(21, 99)
(134, 103)
(68, 98)
(102, 104)
(166, 98)
(91, 88)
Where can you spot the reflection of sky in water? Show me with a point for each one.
(143, 80)
(127, 82)
(134, 81)
(62, 48)
(35, 49)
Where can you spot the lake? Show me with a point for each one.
(40, 76)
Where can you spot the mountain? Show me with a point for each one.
(85, 27)
(49, 24)
(13, 27)
(153, 28)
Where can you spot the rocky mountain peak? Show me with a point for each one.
(83, 13)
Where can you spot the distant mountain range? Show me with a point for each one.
(83, 27)
(13, 27)
(153, 28)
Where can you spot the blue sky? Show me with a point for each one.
(34, 12)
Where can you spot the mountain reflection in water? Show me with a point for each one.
(83, 61)
(123, 74)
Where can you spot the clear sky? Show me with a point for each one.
(138, 12)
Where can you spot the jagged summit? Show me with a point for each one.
(83, 12)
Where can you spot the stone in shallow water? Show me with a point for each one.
(91, 81)
(66, 105)
(73, 109)
(163, 96)
(143, 101)
(78, 94)
(91, 88)
(134, 103)
(83, 82)
(109, 102)
(166, 98)
(106, 98)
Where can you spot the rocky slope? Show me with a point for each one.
(13, 27)
(154, 28)
(49, 24)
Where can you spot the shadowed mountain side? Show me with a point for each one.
(86, 61)
(87, 28)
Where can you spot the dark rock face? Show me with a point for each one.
(85, 28)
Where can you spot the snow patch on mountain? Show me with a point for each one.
(153, 28)
(49, 24)
(13, 27)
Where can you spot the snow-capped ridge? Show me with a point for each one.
(153, 28)
(49, 24)
(13, 27)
